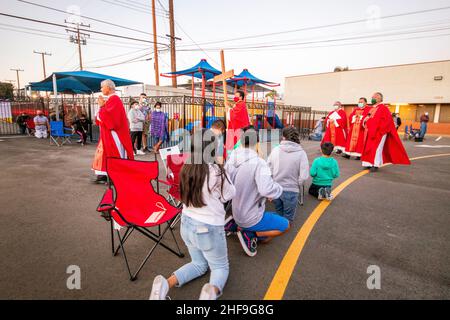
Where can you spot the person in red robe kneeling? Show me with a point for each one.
(336, 128)
(115, 138)
(355, 139)
(238, 120)
(381, 141)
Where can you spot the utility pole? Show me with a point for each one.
(173, 58)
(155, 43)
(43, 54)
(78, 37)
(18, 80)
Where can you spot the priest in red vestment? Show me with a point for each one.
(115, 140)
(381, 142)
(238, 120)
(336, 128)
(355, 139)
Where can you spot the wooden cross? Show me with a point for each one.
(223, 77)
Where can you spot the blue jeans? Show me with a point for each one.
(286, 205)
(207, 247)
(423, 129)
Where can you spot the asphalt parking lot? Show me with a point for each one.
(397, 219)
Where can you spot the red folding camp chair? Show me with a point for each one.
(174, 164)
(131, 202)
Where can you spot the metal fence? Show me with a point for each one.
(184, 112)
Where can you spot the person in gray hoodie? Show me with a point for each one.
(253, 181)
(290, 168)
(136, 118)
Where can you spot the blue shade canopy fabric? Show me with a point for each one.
(203, 67)
(246, 78)
(78, 82)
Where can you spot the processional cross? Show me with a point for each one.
(223, 77)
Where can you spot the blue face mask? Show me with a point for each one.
(361, 105)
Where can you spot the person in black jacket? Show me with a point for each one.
(22, 122)
(81, 127)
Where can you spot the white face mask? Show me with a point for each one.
(361, 105)
(336, 107)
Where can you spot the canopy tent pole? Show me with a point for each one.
(214, 99)
(55, 94)
(193, 87)
(274, 110)
(203, 100)
(245, 91)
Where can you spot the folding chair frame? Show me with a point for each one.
(156, 237)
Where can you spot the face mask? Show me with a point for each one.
(361, 105)
(374, 101)
(236, 99)
(336, 107)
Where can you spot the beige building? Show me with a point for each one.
(409, 89)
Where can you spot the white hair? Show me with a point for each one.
(108, 83)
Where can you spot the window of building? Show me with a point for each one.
(408, 113)
(444, 115)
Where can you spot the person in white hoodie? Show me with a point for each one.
(204, 188)
(290, 168)
(253, 181)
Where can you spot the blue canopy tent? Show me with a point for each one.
(202, 70)
(76, 82)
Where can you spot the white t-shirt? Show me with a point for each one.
(213, 213)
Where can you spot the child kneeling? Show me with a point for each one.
(290, 168)
(323, 171)
(204, 188)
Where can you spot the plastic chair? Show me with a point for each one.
(58, 133)
(131, 202)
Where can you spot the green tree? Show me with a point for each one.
(272, 94)
(6, 90)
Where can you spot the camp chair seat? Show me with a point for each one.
(58, 133)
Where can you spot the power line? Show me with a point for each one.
(135, 59)
(89, 18)
(319, 41)
(132, 8)
(325, 26)
(92, 31)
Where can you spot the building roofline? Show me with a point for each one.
(369, 68)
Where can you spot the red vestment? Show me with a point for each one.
(337, 135)
(379, 123)
(355, 138)
(114, 133)
(238, 120)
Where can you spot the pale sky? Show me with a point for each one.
(407, 39)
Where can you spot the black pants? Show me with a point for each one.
(23, 128)
(83, 136)
(136, 135)
(314, 189)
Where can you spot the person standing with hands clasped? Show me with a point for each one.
(136, 118)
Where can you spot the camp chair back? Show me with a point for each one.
(164, 153)
(58, 133)
(137, 206)
(175, 164)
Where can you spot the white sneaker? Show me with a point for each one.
(160, 288)
(140, 153)
(208, 292)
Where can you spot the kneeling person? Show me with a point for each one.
(323, 171)
(253, 181)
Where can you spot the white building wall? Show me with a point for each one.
(412, 83)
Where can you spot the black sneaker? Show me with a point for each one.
(339, 152)
(230, 226)
(373, 169)
(346, 156)
(100, 179)
(249, 242)
(358, 158)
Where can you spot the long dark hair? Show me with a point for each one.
(196, 170)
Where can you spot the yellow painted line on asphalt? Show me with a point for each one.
(286, 268)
